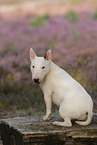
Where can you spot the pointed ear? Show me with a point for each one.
(48, 55)
(32, 54)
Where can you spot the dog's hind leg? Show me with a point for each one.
(67, 122)
(65, 115)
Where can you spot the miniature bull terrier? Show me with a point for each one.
(58, 86)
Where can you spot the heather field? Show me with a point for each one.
(72, 38)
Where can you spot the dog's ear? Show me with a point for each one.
(32, 54)
(48, 55)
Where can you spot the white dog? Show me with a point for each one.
(58, 86)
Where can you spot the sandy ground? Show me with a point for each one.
(40, 7)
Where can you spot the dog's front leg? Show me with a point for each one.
(48, 103)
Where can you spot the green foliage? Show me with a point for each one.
(71, 16)
(95, 14)
(39, 21)
(46, 16)
(75, 1)
(53, 45)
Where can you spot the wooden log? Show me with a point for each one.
(34, 131)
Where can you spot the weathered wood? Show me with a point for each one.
(34, 131)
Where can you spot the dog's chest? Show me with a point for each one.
(57, 98)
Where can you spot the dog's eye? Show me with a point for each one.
(43, 67)
(33, 66)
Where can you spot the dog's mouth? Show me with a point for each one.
(36, 83)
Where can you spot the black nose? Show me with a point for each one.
(36, 80)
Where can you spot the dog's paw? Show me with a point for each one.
(66, 124)
(55, 123)
(47, 117)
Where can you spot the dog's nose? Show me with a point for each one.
(36, 80)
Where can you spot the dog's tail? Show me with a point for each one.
(89, 118)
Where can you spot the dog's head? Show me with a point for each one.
(40, 66)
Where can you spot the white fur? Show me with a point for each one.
(58, 86)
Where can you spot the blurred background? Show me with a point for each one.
(68, 27)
